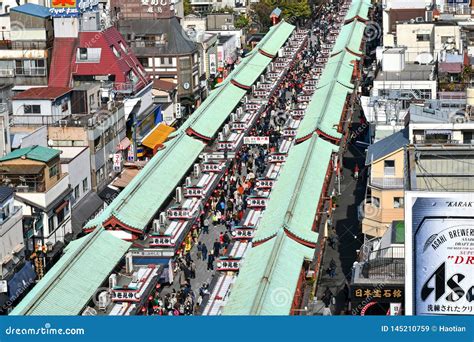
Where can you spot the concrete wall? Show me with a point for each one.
(76, 162)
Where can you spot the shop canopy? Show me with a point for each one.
(252, 67)
(140, 201)
(350, 38)
(358, 9)
(324, 111)
(295, 196)
(70, 284)
(157, 136)
(340, 68)
(218, 110)
(268, 278)
(275, 38)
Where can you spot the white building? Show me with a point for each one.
(75, 161)
(41, 106)
(428, 38)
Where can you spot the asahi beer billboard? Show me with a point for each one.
(440, 253)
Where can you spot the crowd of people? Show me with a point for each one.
(227, 205)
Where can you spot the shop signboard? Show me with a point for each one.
(117, 167)
(125, 296)
(256, 140)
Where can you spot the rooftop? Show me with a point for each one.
(387, 146)
(412, 72)
(69, 285)
(38, 153)
(440, 167)
(5, 193)
(42, 93)
(33, 9)
(177, 42)
(431, 112)
(164, 85)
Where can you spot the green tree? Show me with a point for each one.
(261, 15)
(187, 7)
(241, 21)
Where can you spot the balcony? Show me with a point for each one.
(31, 71)
(44, 199)
(383, 264)
(387, 182)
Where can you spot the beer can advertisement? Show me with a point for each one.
(442, 238)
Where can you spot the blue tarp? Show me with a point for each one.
(21, 280)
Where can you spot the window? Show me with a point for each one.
(64, 105)
(122, 46)
(99, 175)
(76, 192)
(88, 54)
(468, 137)
(144, 61)
(423, 37)
(133, 77)
(30, 67)
(376, 202)
(51, 223)
(32, 109)
(53, 171)
(445, 39)
(398, 202)
(61, 215)
(98, 143)
(389, 168)
(115, 51)
(85, 185)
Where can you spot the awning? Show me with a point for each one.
(86, 208)
(124, 144)
(125, 177)
(157, 136)
(17, 139)
(450, 68)
(23, 279)
(61, 206)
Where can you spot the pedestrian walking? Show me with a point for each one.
(199, 250)
(216, 248)
(205, 227)
(210, 262)
(204, 252)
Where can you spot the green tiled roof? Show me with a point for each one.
(350, 37)
(324, 111)
(276, 37)
(340, 68)
(252, 67)
(218, 110)
(38, 153)
(359, 8)
(295, 196)
(139, 202)
(69, 285)
(268, 278)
